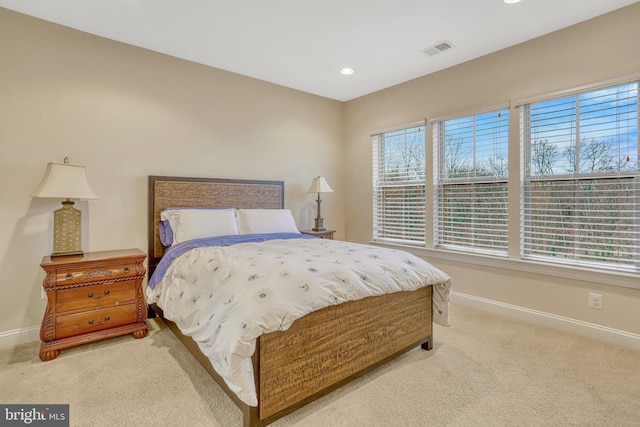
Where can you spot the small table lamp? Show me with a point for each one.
(319, 185)
(65, 181)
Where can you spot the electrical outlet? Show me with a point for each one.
(595, 300)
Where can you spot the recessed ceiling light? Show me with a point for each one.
(511, 1)
(347, 71)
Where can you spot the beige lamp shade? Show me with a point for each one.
(64, 181)
(319, 185)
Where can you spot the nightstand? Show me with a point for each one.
(90, 297)
(324, 234)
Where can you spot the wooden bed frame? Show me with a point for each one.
(311, 358)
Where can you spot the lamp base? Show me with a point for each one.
(319, 225)
(66, 230)
(56, 254)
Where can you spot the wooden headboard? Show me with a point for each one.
(180, 192)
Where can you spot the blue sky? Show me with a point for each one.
(609, 114)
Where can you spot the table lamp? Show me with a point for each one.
(65, 181)
(319, 185)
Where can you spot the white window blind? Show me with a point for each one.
(581, 186)
(471, 182)
(399, 186)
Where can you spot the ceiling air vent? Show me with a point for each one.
(437, 48)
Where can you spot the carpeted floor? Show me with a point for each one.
(484, 370)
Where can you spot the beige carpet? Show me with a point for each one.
(483, 371)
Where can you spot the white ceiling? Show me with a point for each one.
(303, 44)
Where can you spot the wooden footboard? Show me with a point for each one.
(328, 348)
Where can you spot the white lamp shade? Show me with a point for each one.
(64, 181)
(319, 185)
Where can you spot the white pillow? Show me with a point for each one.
(195, 223)
(252, 221)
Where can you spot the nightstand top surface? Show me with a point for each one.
(324, 234)
(48, 260)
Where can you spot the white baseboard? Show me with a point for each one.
(566, 324)
(19, 336)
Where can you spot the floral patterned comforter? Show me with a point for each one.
(224, 297)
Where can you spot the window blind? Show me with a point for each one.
(399, 186)
(581, 186)
(471, 182)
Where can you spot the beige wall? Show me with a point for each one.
(126, 113)
(594, 51)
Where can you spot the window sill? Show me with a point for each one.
(613, 278)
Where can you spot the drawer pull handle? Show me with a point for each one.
(106, 319)
(126, 269)
(69, 276)
(90, 295)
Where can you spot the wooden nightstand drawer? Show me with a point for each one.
(95, 296)
(96, 320)
(82, 275)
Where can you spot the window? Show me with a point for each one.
(581, 186)
(471, 182)
(399, 186)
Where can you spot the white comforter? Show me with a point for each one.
(224, 297)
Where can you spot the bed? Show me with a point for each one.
(316, 353)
